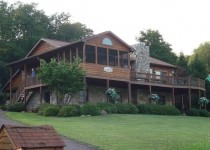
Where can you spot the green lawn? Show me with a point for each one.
(130, 132)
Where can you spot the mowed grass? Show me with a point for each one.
(129, 132)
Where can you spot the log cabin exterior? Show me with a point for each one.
(109, 62)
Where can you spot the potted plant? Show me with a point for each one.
(112, 94)
(154, 97)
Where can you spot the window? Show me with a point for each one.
(102, 55)
(90, 54)
(107, 41)
(113, 59)
(160, 74)
(123, 59)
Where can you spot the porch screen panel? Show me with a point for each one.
(60, 56)
(67, 55)
(90, 54)
(80, 51)
(73, 53)
(102, 55)
(123, 59)
(113, 59)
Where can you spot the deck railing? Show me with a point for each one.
(32, 81)
(18, 93)
(170, 80)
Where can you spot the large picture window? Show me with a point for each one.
(102, 55)
(90, 54)
(113, 60)
(123, 59)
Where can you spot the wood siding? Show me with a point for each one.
(16, 81)
(96, 70)
(116, 43)
(164, 69)
(5, 143)
(42, 47)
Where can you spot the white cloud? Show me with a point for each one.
(183, 23)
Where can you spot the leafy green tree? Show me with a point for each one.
(157, 45)
(182, 64)
(22, 25)
(197, 67)
(203, 53)
(62, 77)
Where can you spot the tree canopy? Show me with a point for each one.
(203, 53)
(62, 77)
(22, 25)
(157, 46)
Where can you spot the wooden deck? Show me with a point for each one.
(167, 81)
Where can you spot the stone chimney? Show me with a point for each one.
(141, 64)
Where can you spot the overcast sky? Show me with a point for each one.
(185, 24)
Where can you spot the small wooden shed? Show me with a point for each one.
(14, 137)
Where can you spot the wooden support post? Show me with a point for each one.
(84, 56)
(40, 95)
(150, 89)
(25, 96)
(10, 85)
(118, 59)
(189, 96)
(173, 97)
(129, 93)
(182, 103)
(96, 56)
(107, 54)
(25, 76)
(84, 90)
(129, 62)
(64, 56)
(107, 86)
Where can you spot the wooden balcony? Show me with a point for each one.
(143, 78)
(167, 80)
(31, 82)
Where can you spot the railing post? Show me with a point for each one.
(189, 81)
(149, 78)
(10, 85)
(172, 80)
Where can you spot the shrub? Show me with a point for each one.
(157, 109)
(108, 107)
(51, 110)
(42, 107)
(126, 108)
(204, 113)
(90, 109)
(69, 111)
(15, 107)
(192, 112)
(3, 107)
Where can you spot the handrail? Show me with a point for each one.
(18, 93)
(171, 80)
(30, 81)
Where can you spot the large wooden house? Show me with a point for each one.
(109, 62)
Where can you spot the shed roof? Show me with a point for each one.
(54, 43)
(33, 137)
(155, 61)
